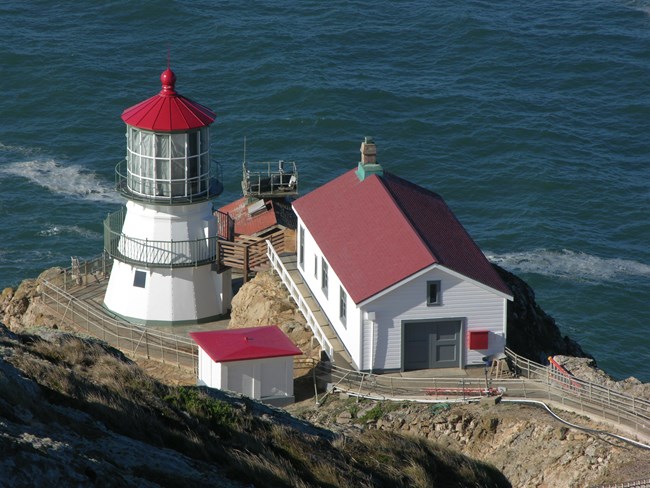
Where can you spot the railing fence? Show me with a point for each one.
(284, 275)
(532, 381)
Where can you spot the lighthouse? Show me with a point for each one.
(164, 240)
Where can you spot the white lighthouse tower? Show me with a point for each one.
(164, 241)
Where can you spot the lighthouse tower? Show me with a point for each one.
(164, 241)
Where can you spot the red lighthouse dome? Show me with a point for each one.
(168, 111)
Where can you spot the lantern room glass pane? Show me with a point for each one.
(168, 165)
(147, 144)
(162, 146)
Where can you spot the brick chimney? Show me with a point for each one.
(368, 151)
(368, 165)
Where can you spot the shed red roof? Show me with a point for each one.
(248, 224)
(376, 232)
(248, 343)
(168, 111)
(275, 212)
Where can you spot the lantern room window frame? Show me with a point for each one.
(168, 164)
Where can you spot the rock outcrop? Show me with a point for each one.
(532, 449)
(532, 333)
(525, 443)
(265, 301)
(20, 308)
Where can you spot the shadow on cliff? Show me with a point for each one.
(532, 333)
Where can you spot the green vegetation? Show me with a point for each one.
(90, 389)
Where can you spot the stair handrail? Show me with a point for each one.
(291, 286)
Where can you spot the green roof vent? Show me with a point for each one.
(368, 165)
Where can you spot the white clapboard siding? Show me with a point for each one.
(350, 332)
(474, 306)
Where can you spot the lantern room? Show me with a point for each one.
(172, 165)
(168, 149)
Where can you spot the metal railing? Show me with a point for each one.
(627, 484)
(284, 275)
(388, 387)
(132, 339)
(169, 191)
(586, 397)
(85, 272)
(270, 179)
(225, 225)
(533, 382)
(145, 252)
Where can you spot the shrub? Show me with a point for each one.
(217, 413)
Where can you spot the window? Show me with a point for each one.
(168, 165)
(315, 266)
(301, 247)
(433, 293)
(343, 305)
(323, 276)
(140, 279)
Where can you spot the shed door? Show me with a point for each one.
(429, 345)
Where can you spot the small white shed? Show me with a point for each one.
(254, 361)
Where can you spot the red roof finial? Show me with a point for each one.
(168, 80)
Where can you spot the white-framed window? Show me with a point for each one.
(323, 276)
(343, 306)
(434, 296)
(315, 266)
(168, 165)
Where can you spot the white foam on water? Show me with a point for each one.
(571, 265)
(23, 150)
(640, 5)
(55, 230)
(73, 181)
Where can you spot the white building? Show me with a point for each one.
(254, 361)
(164, 241)
(403, 284)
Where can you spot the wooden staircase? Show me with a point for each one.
(341, 356)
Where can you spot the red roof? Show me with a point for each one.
(377, 232)
(248, 343)
(248, 224)
(168, 111)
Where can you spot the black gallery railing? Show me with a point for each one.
(174, 254)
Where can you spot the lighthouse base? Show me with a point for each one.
(168, 296)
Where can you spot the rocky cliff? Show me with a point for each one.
(527, 445)
(533, 333)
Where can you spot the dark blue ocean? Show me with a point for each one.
(530, 118)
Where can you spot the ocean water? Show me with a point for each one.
(530, 118)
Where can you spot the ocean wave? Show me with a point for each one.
(70, 180)
(571, 265)
(23, 150)
(55, 230)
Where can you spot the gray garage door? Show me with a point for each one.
(430, 345)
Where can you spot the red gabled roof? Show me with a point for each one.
(248, 343)
(168, 111)
(376, 232)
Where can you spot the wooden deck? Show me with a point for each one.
(247, 254)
